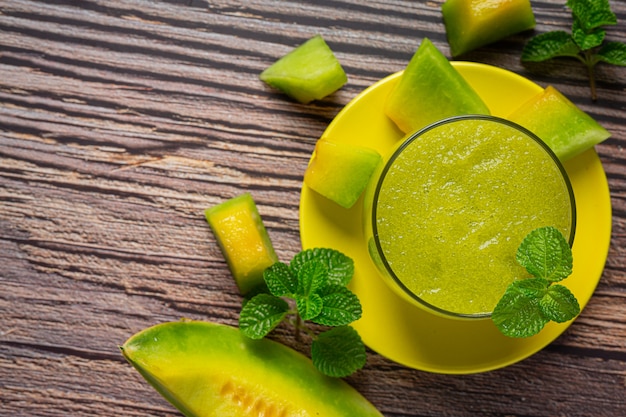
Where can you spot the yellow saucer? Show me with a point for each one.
(407, 334)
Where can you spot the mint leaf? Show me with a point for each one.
(261, 314)
(309, 306)
(546, 254)
(340, 306)
(528, 304)
(311, 277)
(280, 281)
(532, 287)
(559, 304)
(550, 45)
(613, 53)
(587, 39)
(338, 352)
(340, 267)
(518, 314)
(592, 14)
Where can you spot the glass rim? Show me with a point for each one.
(410, 138)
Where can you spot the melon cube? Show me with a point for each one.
(309, 72)
(563, 126)
(430, 89)
(340, 171)
(474, 23)
(244, 242)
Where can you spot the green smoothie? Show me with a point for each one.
(453, 204)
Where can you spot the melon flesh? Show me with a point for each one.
(309, 72)
(206, 369)
(430, 89)
(563, 126)
(340, 171)
(474, 23)
(243, 239)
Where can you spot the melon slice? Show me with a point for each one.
(212, 370)
(474, 23)
(430, 89)
(341, 171)
(244, 242)
(563, 126)
(309, 72)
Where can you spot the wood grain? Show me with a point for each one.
(120, 122)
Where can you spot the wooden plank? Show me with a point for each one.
(120, 122)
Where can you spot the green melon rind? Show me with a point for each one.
(211, 351)
(309, 72)
(430, 89)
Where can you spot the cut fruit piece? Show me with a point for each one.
(242, 237)
(207, 369)
(430, 89)
(309, 72)
(564, 127)
(474, 23)
(340, 171)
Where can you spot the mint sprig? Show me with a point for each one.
(339, 345)
(529, 304)
(312, 287)
(586, 42)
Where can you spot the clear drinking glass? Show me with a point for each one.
(445, 214)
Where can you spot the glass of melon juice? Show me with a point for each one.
(445, 214)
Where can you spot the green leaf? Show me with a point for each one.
(613, 53)
(340, 306)
(259, 289)
(340, 267)
(587, 39)
(309, 306)
(550, 45)
(312, 276)
(546, 254)
(518, 314)
(559, 304)
(280, 280)
(338, 352)
(532, 287)
(592, 14)
(261, 315)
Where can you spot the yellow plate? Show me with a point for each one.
(406, 334)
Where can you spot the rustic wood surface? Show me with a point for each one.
(121, 121)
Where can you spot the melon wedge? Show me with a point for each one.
(430, 89)
(340, 171)
(243, 239)
(563, 126)
(309, 72)
(211, 370)
(474, 23)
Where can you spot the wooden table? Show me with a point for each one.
(120, 122)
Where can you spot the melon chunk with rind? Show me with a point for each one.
(243, 240)
(558, 122)
(207, 369)
(341, 171)
(430, 89)
(309, 72)
(471, 24)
